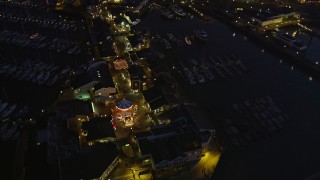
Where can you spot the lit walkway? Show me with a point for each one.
(125, 171)
(204, 169)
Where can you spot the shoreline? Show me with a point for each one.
(306, 66)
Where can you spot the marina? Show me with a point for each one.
(36, 72)
(212, 70)
(262, 75)
(13, 118)
(253, 120)
(159, 89)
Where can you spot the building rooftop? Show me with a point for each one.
(97, 71)
(133, 56)
(80, 80)
(72, 108)
(268, 13)
(132, 2)
(98, 128)
(180, 118)
(106, 48)
(92, 2)
(101, 28)
(279, 10)
(135, 40)
(120, 19)
(155, 97)
(161, 149)
(167, 142)
(120, 64)
(133, 16)
(92, 163)
(136, 72)
(205, 135)
(147, 52)
(124, 103)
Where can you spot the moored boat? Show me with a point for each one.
(187, 40)
(201, 35)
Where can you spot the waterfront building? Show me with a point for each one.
(175, 143)
(274, 16)
(308, 1)
(77, 138)
(96, 76)
(105, 95)
(137, 42)
(160, 98)
(122, 24)
(132, 18)
(82, 92)
(98, 130)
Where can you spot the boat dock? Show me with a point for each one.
(214, 68)
(223, 65)
(253, 120)
(239, 63)
(232, 65)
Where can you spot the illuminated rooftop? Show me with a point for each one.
(120, 64)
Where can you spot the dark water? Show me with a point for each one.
(291, 154)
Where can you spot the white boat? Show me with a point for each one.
(18, 73)
(187, 40)
(11, 71)
(65, 70)
(3, 106)
(201, 78)
(5, 68)
(166, 13)
(201, 35)
(166, 44)
(9, 132)
(194, 61)
(38, 77)
(190, 76)
(54, 68)
(24, 75)
(27, 64)
(171, 37)
(53, 80)
(9, 110)
(44, 78)
(71, 51)
(198, 75)
(177, 10)
(15, 136)
(49, 67)
(23, 110)
(31, 75)
(42, 66)
(3, 127)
